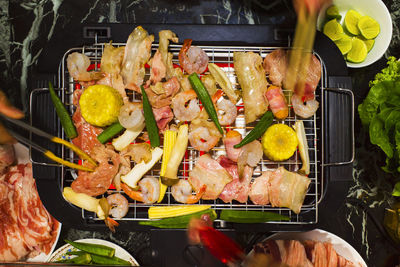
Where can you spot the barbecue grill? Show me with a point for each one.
(334, 119)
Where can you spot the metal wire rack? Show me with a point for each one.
(223, 57)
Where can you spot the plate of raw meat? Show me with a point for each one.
(313, 248)
(28, 232)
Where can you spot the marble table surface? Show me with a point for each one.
(27, 26)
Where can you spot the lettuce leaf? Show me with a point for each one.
(377, 133)
(390, 73)
(378, 95)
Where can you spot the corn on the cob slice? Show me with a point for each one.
(279, 142)
(173, 211)
(169, 142)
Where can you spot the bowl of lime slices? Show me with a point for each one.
(361, 29)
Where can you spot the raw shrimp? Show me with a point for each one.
(119, 205)
(227, 111)
(182, 111)
(182, 192)
(203, 135)
(192, 58)
(149, 190)
(78, 64)
(304, 111)
(131, 115)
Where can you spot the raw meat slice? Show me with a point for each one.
(209, 172)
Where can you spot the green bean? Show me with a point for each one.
(205, 99)
(110, 132)
(109, 261)
(93, 248)
(63, 114)
(258, 130)
(151, 124)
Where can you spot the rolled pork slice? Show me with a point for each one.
(288, 189)
(209, 172)
(251, 77)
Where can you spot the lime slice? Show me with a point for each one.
(369, 43)
(358, 51)
(332, 12)
(368, 27)
(344, 44)
(333, 30)
(351, 20)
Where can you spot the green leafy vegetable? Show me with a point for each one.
(396, 190)
(380, 113)
(390, 73)
(378, 95)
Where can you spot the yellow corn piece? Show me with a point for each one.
(173, 211)
(169, 142)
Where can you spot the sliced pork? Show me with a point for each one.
(280, 188)
(238, 189)
(97, 182)
(26, 228)
(209, 172)
(295, 253)
(163, 116)
(259, 189)
(275, 65)
(87, 133)
(252, 80)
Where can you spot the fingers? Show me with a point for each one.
(5, 137)
(8, 110)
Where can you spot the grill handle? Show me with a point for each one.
(351, 95)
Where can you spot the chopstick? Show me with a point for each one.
(300, 55)
(54, 139)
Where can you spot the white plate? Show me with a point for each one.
(377, 10)
(341, 247)
(59, 254)
(22, 156)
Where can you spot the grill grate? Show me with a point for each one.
(222, 56)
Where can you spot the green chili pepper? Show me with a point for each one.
(93, 248)
(205, 99)
(260, 128)
(63, 114)
(179, 221)
(243, 216)
(151, 124)
(110, 132)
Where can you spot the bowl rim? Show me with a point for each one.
(381, 52)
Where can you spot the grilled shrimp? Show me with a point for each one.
(304, 111)
(149, 190)
(119, 205)
(131, 115)
(77, 64)
(227, 112)
(192, 58)
(203, 135)
(183, 111)
(182, 192)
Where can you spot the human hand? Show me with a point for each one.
(8, 110)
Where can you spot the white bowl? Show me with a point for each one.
(377, 10)
(341, 247)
